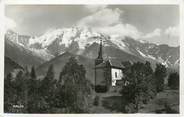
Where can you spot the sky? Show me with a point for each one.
(153, 23)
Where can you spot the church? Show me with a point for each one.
(108, 73)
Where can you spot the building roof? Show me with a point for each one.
(116, 63)
(112, 62)
(103, 64)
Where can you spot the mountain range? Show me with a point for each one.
(57, 45)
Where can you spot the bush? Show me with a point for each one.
(96, 101)
(100, 89)
(173, 81)
(168, 109)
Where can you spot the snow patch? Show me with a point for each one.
(42, 53)
(177, 61)
(47, 38)
(146, 56)
(115, 39)
(152, 57)
(164, 62)
(143, 41)
(142, 54)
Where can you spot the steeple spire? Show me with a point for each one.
(100, 51)
(99, 59)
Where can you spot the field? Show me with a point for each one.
(164, 102)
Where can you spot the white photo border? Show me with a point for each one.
(180, 3)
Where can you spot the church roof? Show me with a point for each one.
(113, 63)
(116, 63)
(103, 64)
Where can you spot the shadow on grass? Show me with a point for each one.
(114, 103)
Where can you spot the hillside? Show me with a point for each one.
(21, 55)
(164, 102)
(59, 62)
(10, 65)
(87, 59)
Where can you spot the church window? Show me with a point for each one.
(116, 75)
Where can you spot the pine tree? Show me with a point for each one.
(150, 80)
(136, 91)
(33, 73)
(74, 86)
(8, 93)
(19, 97)
(32, 82)
(148, 69)
(26, 87)
(160, 74)
(50, 74)
(19, 81)
(48, 86)
(173, 80)
(32, 92)
(8, 84)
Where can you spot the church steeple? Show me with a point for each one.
(99, 59)
(100, 51)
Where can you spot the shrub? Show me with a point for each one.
(96, 101)
(173, 81)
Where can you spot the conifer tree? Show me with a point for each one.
(173, 80)
(33, 73)
(74, 86)
(160, 74)
(32, 92)
(8, 93)
(148, 69)
(48, 86)
(136, 90)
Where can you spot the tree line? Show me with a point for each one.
(26, 93)
(143, 83)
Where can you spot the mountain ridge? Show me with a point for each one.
(78, 40)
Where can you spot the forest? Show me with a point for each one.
(25, 92)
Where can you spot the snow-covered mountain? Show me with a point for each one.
(21, 55)
(21, 42)
(164, 54)
(84, 41)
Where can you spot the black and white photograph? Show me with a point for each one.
(92, 59)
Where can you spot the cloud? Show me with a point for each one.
(120, 30)
(9, 23)
(156, 33)
(95, 8)
(172, 31)
(104, 17)
(109, 21)
(163, 36)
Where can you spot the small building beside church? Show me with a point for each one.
(108, 73)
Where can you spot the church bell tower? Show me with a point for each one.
(99, 59)
(100, 78)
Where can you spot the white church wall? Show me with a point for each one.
(116, 74)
